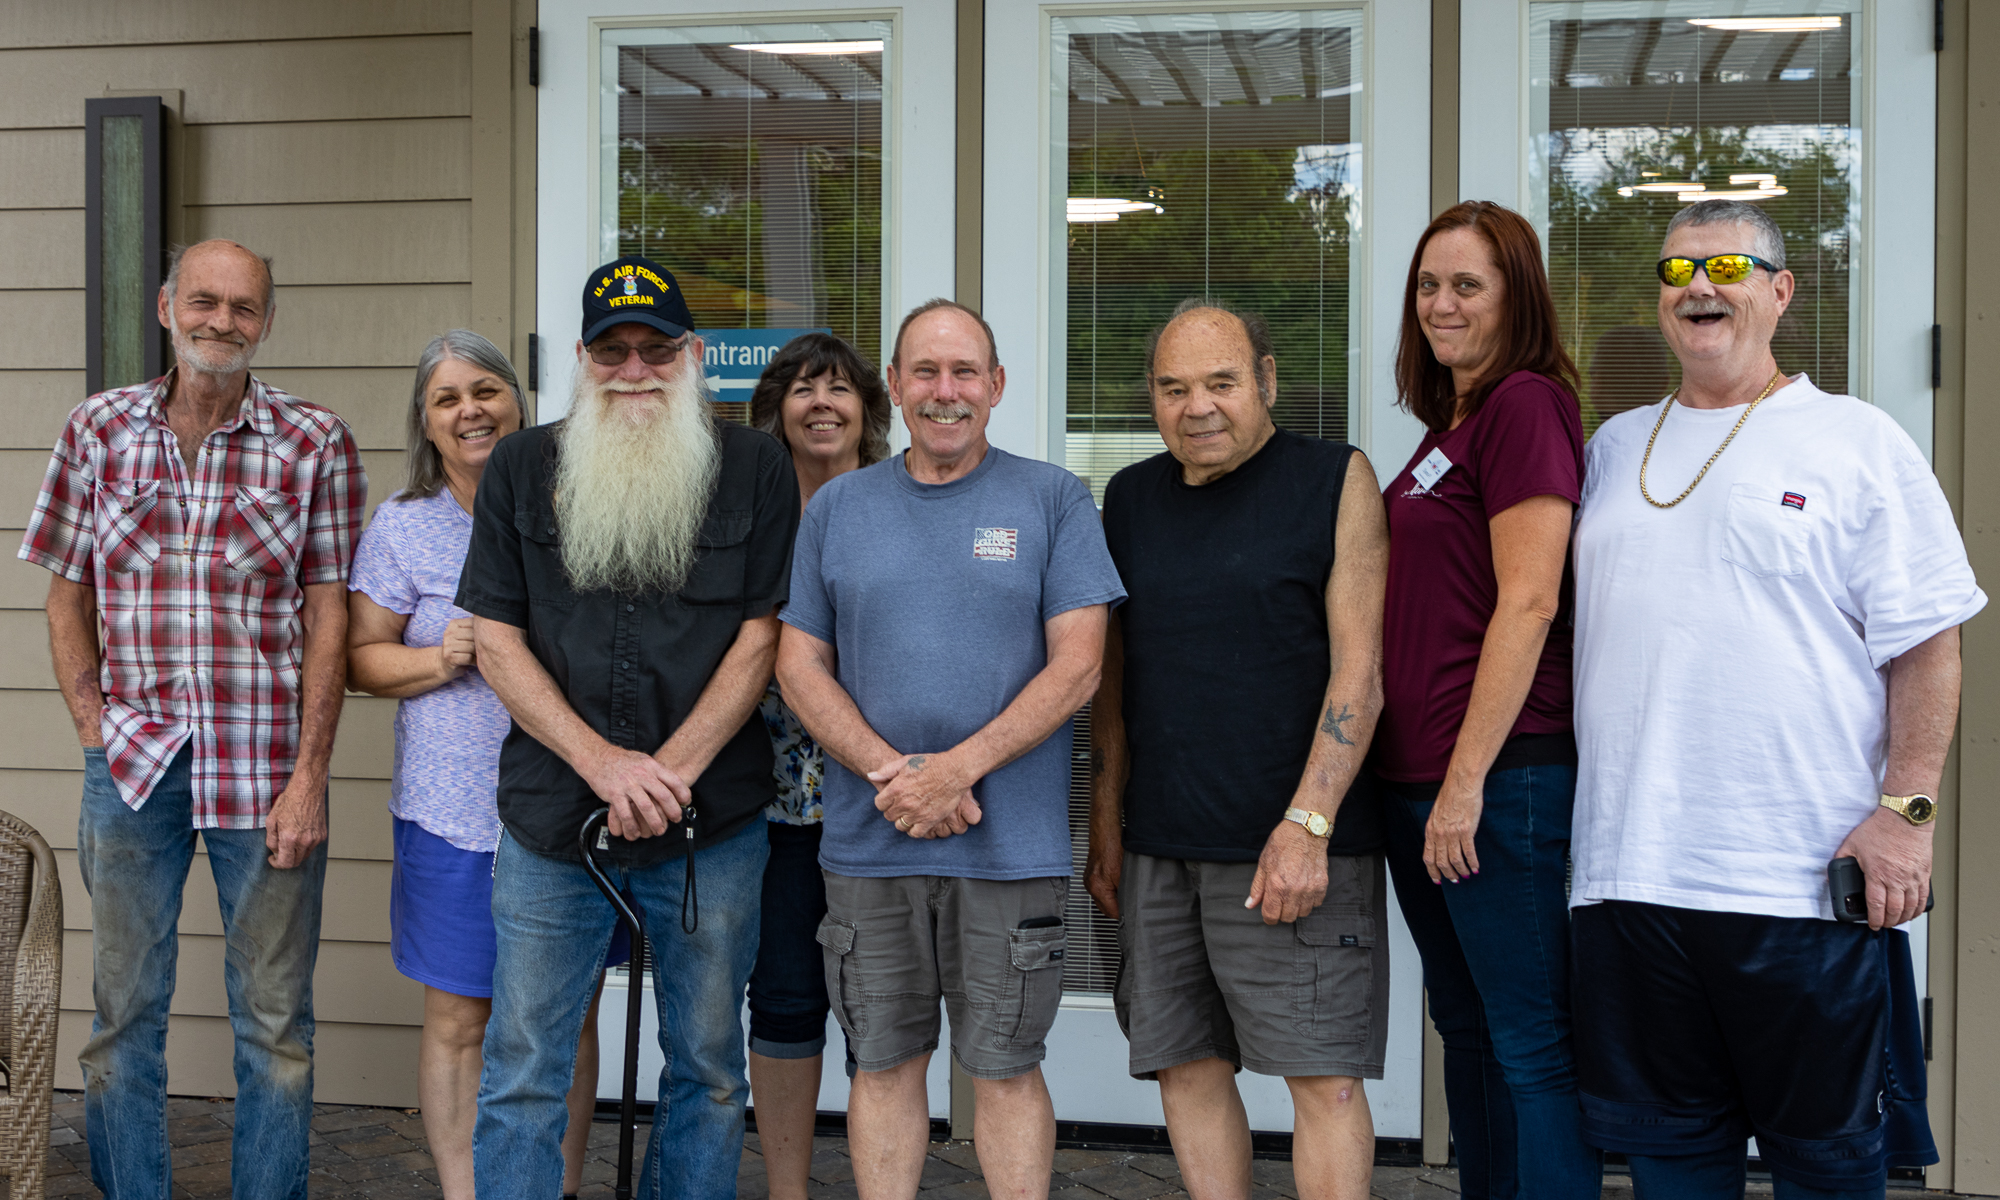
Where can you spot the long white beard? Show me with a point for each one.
(633, 483)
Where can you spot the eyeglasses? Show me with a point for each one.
(1722, 268)
(614, 354)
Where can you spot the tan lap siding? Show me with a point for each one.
(338, 140)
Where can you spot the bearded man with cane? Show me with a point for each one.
(625, 570)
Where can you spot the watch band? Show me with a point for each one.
(1315, 823)
(1917, 810)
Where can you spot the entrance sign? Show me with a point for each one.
(734, 358)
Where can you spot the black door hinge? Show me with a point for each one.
(1927, 1028)
(1937, 357)
(534, 363)
(535, 50)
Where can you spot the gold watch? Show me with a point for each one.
(1315, 823)
(1917, 810)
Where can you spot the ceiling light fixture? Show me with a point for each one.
(1767, 24)
(1676, 188)
(874, 47)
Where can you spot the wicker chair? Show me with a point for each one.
(30, 983)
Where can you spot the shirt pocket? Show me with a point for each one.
(128, 524)
(1763, 535)
(722, 560)
(541, 556)
(264, 533)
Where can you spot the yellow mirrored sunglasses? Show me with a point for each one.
(1722, 268)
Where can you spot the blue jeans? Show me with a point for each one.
(788, 1001)
(553, 929)
(135, 865)
(1496, 964)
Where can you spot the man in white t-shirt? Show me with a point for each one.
(1769, 588)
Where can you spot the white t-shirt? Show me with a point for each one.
(1731, 652)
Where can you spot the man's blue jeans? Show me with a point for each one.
(135, 864)
(1496, 963)
(553, 928)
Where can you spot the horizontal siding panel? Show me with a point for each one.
(41, 247)
(36, 404)
(45, 328)
(365, 745)
(44, 166)
(414, 241)
(22, 584)
(354, 982)
(317, 162)
(326, 79)
(386, 470)
(24, 649)
(40, 735)
(374, 401)
(355, 325)
(352, 1064)
(354, 908)
(121, 22)
(357, 816)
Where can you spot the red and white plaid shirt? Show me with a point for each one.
(200, 581)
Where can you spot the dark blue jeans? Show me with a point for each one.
(788, 1004)
(1496, 965)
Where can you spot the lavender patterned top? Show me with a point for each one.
(447, 739)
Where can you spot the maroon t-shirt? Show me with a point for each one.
(1525, 441)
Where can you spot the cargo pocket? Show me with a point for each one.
(126, 524)
(842, 989)
(1035, 961)
(1336, 955)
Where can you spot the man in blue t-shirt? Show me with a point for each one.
(946, 620)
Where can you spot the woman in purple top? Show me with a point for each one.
(408, 641)
(1474, 751)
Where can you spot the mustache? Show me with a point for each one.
(1701, 306)
(943, 410)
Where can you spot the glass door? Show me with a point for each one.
(780, 159)
(1180, 150)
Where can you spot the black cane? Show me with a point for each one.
(628, 1108)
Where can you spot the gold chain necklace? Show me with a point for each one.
(1659, 424)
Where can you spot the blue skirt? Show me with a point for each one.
(441, 914)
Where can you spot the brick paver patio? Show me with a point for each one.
(379, 1152)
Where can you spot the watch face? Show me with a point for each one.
(1317, 825)
(1921, 809)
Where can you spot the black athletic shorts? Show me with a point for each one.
(1698, 1029)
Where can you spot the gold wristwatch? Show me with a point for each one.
(1315, 823)
(1917, 810)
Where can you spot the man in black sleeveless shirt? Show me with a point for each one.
(1242, 681)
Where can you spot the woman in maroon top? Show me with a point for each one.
(1474, 752)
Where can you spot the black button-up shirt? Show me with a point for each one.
(632, 666)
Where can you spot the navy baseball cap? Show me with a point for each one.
(635, 289)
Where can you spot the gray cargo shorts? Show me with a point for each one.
(893, 947)
(1204, 977)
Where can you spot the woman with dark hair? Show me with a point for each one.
(407, 640)
(826, 403)
(1474, 751)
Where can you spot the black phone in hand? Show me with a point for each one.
(1847, 889)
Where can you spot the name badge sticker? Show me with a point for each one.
(1432, 469)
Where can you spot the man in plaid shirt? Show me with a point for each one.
(207, 520)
